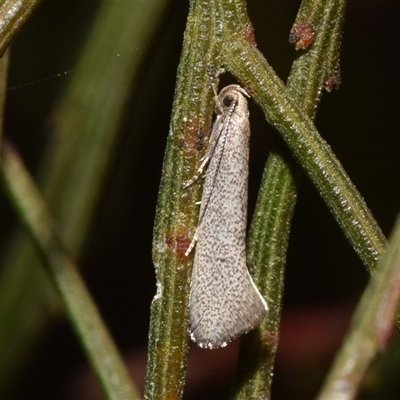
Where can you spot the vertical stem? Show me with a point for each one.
(372, 327)
(176, 213)
(269, 231)
(82, 311)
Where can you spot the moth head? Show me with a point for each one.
(228, 100)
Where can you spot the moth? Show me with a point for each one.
(224, 302)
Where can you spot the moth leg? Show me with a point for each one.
(204, 162)
(213, 76)
(215, 134)
(192, 244)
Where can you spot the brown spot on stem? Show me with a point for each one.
(334, 80)
(178, 245)
(249, 36)
(301, 35)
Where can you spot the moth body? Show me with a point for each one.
(224, 302)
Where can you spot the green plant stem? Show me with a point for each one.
(310, 150)
(174, 216)
(266, 256)
(4, 62)
(80, 308)
(190, 123)
(13, 15)
(372, 327)
(269, 231)
(177, 212)
(312, 68)
(87, 130)
(380, 380)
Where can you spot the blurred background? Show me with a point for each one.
(324, 277)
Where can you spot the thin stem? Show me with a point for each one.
(309, 149)
(269, 231)
(81, 309)
(177, 212)
(4, 62)
(372, 327)
(86, 132)
(13, 15)
(267, 245)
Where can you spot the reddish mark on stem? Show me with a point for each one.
(178, 245)
(248, 35)
(301, 35)
(333, 83)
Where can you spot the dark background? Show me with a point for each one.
(324, 277)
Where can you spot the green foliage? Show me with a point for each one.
(117, 83)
